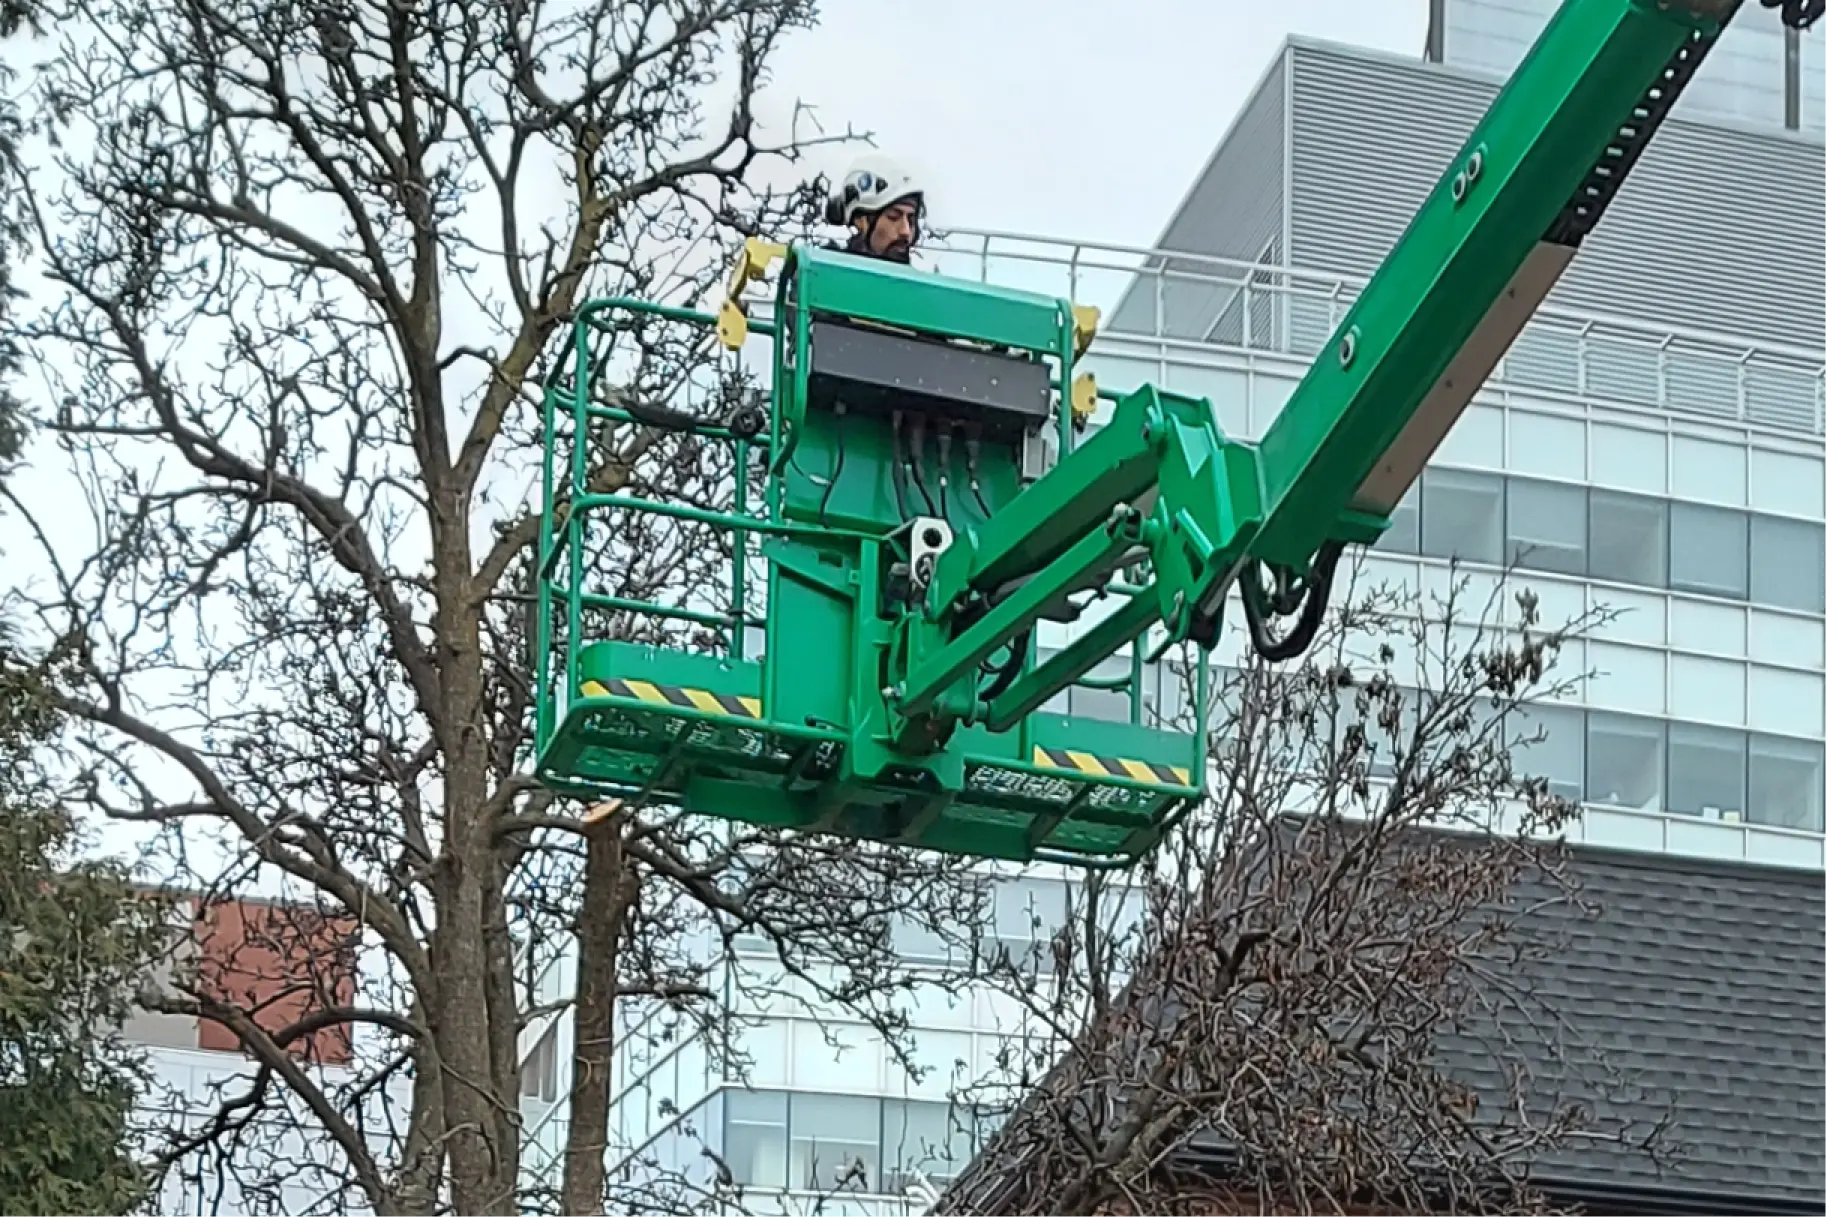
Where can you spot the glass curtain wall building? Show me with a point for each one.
(1762, 75)
(1653, 444)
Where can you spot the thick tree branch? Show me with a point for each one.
(313, 865)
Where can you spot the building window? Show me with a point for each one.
(539, 1071)
(1646, 764)
(1546, 527)
(1403, 533)
(1788, 563)
(1023, 916)
(1178, 693)
(1461, 516)
(1705, 772)
(1549, 742)
(1105, 705)
(754, 1137)
(1785, 782)
(852, 1143)
(1623, 761)
(1028, 912)
(921, 943)
(835, 1143)
(1102, 705)
(1381, 748)
(1121, 918)
(1709, 551)
(1622, 538)
(1628, 538)
(934, 1139)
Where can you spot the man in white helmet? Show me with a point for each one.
(881, 204)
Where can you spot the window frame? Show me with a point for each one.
(1813, 546)
(1695, 736)
(784, 1124)
(1524, 560)
(1816, 810)
(1662, 509)
(965, 1125)
(1739, 592)
(794, 1139)
(1468, 479)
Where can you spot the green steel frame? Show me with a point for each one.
(878, 709)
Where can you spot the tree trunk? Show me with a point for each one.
(481, 1115)
(608, 891)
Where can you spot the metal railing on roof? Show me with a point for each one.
(1170, 298)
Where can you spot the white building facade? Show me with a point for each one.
(282, 1164)
(1653, 444)
(276, 1157)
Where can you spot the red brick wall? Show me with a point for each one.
(277, 963)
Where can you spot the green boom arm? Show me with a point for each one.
(1161, 480)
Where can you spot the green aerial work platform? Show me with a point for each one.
(917, 525)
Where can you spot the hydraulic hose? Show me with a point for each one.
(1317, 594)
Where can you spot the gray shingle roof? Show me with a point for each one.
(1703, 984)
(1706, 983)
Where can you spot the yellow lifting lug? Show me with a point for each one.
(1084, 400)
(1084, 327)
(750, 265)
(731, 325)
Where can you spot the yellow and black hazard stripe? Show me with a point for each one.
(675, 696)
(1110, 767)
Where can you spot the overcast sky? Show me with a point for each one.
(1085, 119)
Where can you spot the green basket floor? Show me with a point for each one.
(711, 761)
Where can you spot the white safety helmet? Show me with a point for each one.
(873, 182)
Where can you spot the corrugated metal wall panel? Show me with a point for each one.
(1234, 211)
(1493, 35)
(1716, 229)
(1740, 81)
(1364, 154)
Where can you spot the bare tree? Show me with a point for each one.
(1350, 903)
(16, 17)
(312, 259)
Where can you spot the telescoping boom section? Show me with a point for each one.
(933, 493)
